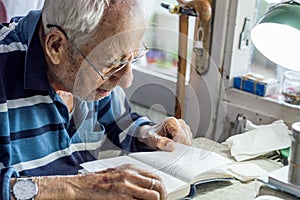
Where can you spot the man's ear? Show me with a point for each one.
(56, 46)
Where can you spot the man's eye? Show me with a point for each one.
(111, 67)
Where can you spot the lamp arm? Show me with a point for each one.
(202, 7)
(285, 2)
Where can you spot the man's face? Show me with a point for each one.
(118, 40)
(108, 65)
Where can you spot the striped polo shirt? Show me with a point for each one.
(37, 134)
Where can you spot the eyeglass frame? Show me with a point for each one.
(122, 64)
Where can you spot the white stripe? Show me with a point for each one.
(3, 107)
(121, 98)
(56, 155)
(15, 46)
(30, 101)
(122, 136)
(6, 30)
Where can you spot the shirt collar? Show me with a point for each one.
(35, 63)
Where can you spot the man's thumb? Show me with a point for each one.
(165, 144)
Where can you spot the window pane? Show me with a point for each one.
(258, 63)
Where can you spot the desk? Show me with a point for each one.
(236, 190)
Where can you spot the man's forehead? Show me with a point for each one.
(121, 28)
(119, 44)
(122, 16)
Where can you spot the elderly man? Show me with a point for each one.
(60, 100)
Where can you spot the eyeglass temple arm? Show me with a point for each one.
(59, 28)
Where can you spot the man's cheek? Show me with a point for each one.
(84, 87)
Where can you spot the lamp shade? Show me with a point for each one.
(277, 35)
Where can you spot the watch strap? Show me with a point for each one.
(5, 176)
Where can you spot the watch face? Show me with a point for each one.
(24, 189)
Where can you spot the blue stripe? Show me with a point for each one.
(4, 127)
(22, 118)
(102, 114)
(104, 105)
(10, 37)
(39, 147)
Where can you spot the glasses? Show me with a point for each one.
(113, 67)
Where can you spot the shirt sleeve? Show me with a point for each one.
(121, 124)
(5, 176)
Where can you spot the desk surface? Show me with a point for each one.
(235, 190)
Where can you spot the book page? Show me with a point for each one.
(172, 185)
(186, 163)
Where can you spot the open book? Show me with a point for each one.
(178, 169)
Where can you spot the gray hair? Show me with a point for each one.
(78, 18)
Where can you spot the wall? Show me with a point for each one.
(21, 7)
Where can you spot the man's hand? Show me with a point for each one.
(162, 136)
(124, 182)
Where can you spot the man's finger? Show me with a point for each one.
(183, 134)
(171, 127)
(163, 143)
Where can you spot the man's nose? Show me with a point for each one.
(123, 77)
(127, 68)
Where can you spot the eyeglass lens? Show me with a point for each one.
(111, 70)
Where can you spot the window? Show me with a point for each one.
(21, 7)
(237, 61)
(258, 63)
(157, 72)
(162, 39)
(211, 102)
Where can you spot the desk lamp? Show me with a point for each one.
(277, 36)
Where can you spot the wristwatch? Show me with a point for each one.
(24, 189)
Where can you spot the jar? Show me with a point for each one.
(291, 87)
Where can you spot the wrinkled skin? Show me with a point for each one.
(124, 182)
